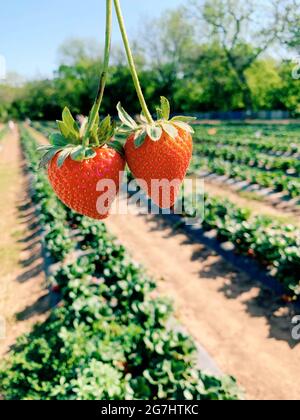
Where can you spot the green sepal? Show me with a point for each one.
(165, 108)
(140, 139)
(50, 153)
(183, 126)
(156, 129)
(170, 129)
(159, 113)
(78, 153)
(125, 117)
(154, 132)
(89, 153)
(106, 130)
(183, 118)
(68, 126)
(63, 155)
(118, 147)
(58, 140)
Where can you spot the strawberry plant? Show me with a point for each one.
(3, 132)
(274, 246)
(108, 338)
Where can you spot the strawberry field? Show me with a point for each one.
(108, 338)
(150, 202)
(275, 246)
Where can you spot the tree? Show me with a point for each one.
(244, 29)
(293, 29)
(166, 44)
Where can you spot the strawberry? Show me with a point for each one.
(78, 159)
(159, 154)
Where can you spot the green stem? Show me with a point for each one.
(131, 63)
(102, 83)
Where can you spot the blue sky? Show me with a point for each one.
(32, 30)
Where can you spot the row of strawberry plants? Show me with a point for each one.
(251, 158)
(108, 338)
(279, 182)
(3, 132)
(275, 246)
(262, 132)
(256, 142)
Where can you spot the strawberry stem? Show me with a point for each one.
(131, 63)
(103, 77)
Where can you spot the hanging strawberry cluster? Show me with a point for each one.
(75, 150)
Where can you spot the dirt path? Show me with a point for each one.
(37, 135)
(240, 325)
(257, 207)
(23, 299)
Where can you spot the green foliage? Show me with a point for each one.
(109, 337)
(275, 246)
(197, 76)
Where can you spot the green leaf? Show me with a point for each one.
(165, 108)
(57, 139)
(140, 139)
(183, 126)
(125, 117)
(183, 118)
(48, 156)
(154, 132)
(63, 155)
(170, 130)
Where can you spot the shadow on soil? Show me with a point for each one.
(266, 303)
(38, 308)
(31, 259)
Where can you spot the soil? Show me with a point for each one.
(245, 328)
(23, 297)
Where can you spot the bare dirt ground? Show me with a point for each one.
(243, 327)
(38, 136)
(23, 298)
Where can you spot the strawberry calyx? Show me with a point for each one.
(155, 129)
(79, 142)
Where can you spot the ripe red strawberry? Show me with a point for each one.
(165, 159)
(75, 183)
(159, 153)
(78, 159)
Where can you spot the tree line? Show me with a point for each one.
(208, 55)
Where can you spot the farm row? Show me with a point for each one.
(245, 154)
(108, 338)
(238, 154)
(3, 131)
(274, 246)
